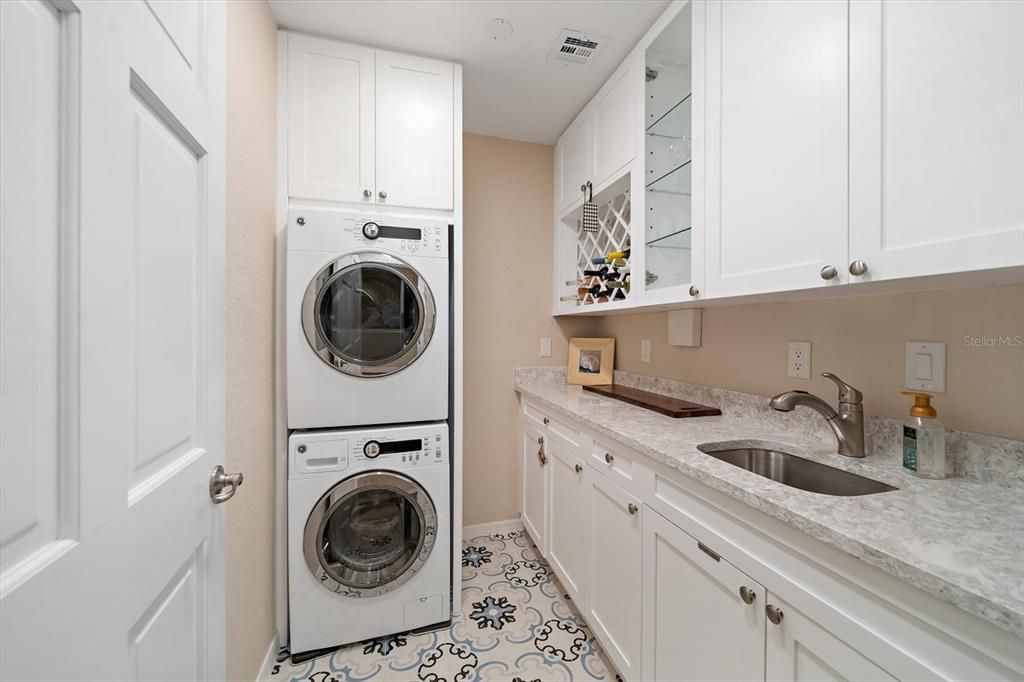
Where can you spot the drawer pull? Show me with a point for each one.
(546, 421)
(633, 509)
(579, 468)
(747, 595)
(608, 457)
(774, 614)
(710, 552)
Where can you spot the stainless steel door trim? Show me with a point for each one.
(318, 342)
(312, 546)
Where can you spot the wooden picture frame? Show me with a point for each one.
(591, 361)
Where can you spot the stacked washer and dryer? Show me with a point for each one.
(369, 472)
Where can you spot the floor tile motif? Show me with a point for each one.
(517, 625)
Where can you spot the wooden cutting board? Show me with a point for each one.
(672, 407)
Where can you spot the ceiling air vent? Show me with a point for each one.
(576, 47)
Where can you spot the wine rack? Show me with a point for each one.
(611, 237)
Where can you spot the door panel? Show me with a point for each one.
(534, 506)
(615, 122)
(136, 352)
(776, 155)
(924, 201)
(415, 143)
(568, 539)
(575, 163)
(330, 120)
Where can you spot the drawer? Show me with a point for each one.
(551, 427)
(622, 466)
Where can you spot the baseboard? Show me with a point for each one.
(492, 527)
(269, 661)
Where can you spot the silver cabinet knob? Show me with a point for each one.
(694, 291)
(367, 194)
(747, 595)
(579, 468)
(774, 614)
(858, 268)
(583, 187)
(829, 272)
(546, 421)
(608, 457)
(382, 195)
(223, 486)
(633, 509)
(540, 440)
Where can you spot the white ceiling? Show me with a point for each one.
(509, 88)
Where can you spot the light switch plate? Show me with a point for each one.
(799, 359)
(645, 351)
(545, 347)
(925, 366)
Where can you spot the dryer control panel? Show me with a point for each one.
(328, 230)
(394, 448)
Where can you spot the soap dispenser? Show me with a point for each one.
(924, 439)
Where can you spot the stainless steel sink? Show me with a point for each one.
(794, 471)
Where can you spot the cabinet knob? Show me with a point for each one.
(579, 468)
(382, 195)
(608, 457)
(774, 614)
(694, 291)
(583, 187)
(747, 595)
(858, 268)
(829, 272)
(633, 509)
(540, 440)
(546, 421)
(367, 194)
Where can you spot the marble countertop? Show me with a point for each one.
(959, 539)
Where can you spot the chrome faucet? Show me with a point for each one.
(847, 423)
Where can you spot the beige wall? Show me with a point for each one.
(251, 192)
(860, 339)
(507, 267)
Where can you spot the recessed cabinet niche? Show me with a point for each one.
(368, 126)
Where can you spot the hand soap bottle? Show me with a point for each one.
(924, 439)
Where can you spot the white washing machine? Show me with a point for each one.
(367, 319)
(369, 533)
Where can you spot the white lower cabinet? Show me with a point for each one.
(567, 535)
(535, 482)
(799, 649)
(704, 619)
(614, 591)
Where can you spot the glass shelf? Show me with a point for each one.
(674, 123)
(675, 181)
(679, 239)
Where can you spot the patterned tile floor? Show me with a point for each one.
(517, 624)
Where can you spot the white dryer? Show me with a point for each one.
(369, 535)
(367, 319)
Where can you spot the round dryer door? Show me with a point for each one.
(368, 314)
(370, 534)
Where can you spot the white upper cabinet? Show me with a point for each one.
(330, 120)
(415, 149)
(575, 161)
(776, 151)
(936, 136)
(615, 121)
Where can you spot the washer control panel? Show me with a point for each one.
(322, 453)
(413, 239)
(312, 229)
(401, 450)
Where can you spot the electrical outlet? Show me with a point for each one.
(800, 359)
(645, 351)
(545, 347)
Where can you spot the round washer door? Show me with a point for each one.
(370, 533)
(368, 314)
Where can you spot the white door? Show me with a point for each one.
(111, 550)
(330, 120)
(575, 163)
(936, 136)
(799, 650)
(704, 619)
(613, 595)
(534, 506)
(567, 539)
(776, 152)
(415, 131)
(615, 122)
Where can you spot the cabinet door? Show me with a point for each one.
(330, 120)
(776, 153)
(614, 591)
(697, 626)
(534, 485)
(615, 122)
(799, 649)
(415, 123)
(567, 538)
(575, 164)
(936, 139)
